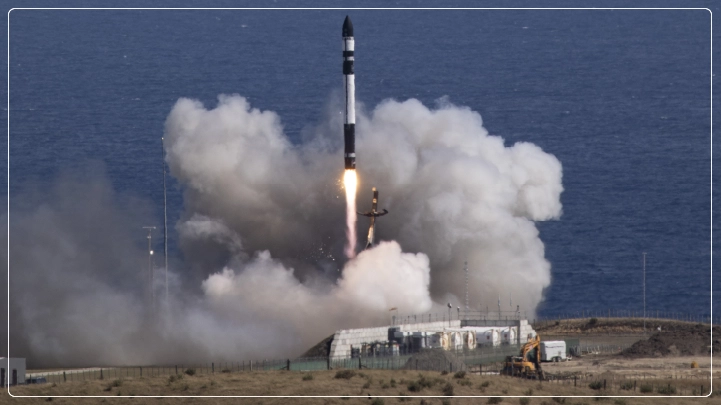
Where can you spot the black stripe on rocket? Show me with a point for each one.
(349, 81)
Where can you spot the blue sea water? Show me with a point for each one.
(621, 97)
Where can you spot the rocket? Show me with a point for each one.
(373, 214)
(349, 81)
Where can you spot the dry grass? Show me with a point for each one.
(325, 383)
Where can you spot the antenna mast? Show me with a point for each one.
(465, 268)
(165, 224)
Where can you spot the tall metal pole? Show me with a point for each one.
(465, 268)
(165, 223)
(644, 293)
(151, 294)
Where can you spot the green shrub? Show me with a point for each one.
(385, 386)
(367, 384)
(117, 383)
(190, 371)
(495, 400)
(186, 387)
(459, 374)
(505, 392)
(559, 400)
(523, 401)
(595, 385)
(628, 385)
(646, 389)
(393, 383)
(225, 370)
(444, 372)
(619, 401)
(403, 397)
(448, 390)
(528, 392)
(377, 401)
(465, 382)
(485, 384)
(308, 377)
(347, 374)
(445, 401)
(667, 390)
(593, 321)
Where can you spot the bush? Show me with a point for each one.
(448, 390)
(619, 401)
(393, 382)
(505, 392)
(117, 383)
(445, 401)
(592, 321)
(646, 389)
(595, 385)
(413, 386)
(444, 372)
(460, 374)
(694, 364)
(225, 370)
(495, 400)
(667, 390)
(190, 371)
(528, 392)
(186, 387)
(628, 385)
(377, 401)
(347, 374)
(465, 382)
(485, 384)
(523, 401)
(559, 400)
(308, 377)
(403, 397)
(367, 384)
(385, 386)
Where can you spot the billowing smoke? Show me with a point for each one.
(263, 272)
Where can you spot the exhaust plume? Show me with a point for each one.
(350, 183)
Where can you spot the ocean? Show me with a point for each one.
(620, 97)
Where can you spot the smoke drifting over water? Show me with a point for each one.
(262, 237)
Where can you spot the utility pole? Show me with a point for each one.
(151, 294)
(165, 223)
(644, 293)
(465, 268)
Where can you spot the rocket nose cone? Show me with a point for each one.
(347, 27)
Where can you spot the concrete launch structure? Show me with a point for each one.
(349, 81)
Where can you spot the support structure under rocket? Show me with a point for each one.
(349, 81)
(373, 214)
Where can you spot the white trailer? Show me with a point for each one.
(553, 350)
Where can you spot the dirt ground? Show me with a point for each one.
(376, 387)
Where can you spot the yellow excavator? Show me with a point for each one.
(528, 363)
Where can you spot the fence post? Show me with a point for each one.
(101, 373)
(212, 370)
(65, 378)
(287, 367)
(574, 380)
(141, 372)
(359, 362)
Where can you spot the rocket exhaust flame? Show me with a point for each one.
(350, 183)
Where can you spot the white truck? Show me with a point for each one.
(553, 350)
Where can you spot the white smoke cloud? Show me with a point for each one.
(455, 192)
(263, 231)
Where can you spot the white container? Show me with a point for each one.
(508, 336)
(553, 350)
